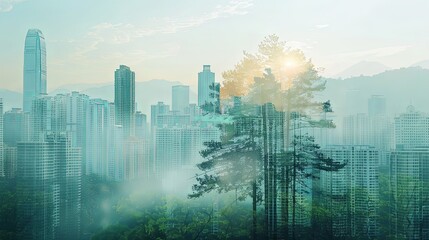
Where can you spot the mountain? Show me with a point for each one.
(10, 99)
(147, 93)
(401, 87)
(364, 68)
(77, 87)
(422, 64)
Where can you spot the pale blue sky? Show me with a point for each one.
(87, 40)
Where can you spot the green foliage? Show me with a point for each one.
(230, 167)
(146, 216)
(8, 200)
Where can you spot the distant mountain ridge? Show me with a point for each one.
(401, 87)
(364, 68)
(422, 64)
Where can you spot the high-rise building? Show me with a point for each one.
(14, 132)
(40, 117)
(411, 129)
(374, 129)
(362, 129)
(116, 154)
(142, 129)
(179, 146)
(193, 110)
(156, 110)
(377, 106)
(68, 183)
(410, 193)
(37, 191)
(173, 119)
(352, 193)
(48, 182)
(136, 160)
(34, 67)
(180, 98)
(206, 81)
(410, 175)
(125, 99)
(10, 158)
(99, 136)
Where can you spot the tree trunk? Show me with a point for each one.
(265, 150)
(254, 211)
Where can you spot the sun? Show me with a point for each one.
(290, 64)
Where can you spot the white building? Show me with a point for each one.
(411, 129)
(353, 192)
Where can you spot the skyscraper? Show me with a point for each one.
(34, 67)
(9, 157)
(14, 132)
(410, 175)
(36, 188)
(410, 192)
(411, 129)
(377, 105)
(179, 146)
(156, 110)
(98, 138)
(48, 188)
(125, 99)
(352, 193)
(40, 117)
(180, 98)
(142, 130)
(206, 78)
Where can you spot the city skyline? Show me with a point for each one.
(152, 43)
(253, 144)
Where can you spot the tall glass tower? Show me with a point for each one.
(125, 99)
(180, 98)
(206, 78)
(34, 67)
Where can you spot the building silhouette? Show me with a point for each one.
(409, 178)
(206, 79)
(14, 132)
(180, 98)
(48, 180)
(34, 67)
(352, 193)
(156, 110)
(125, 99)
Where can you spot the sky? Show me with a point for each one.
(165, 39)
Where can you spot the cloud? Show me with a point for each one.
(321, 26)
(122, 33)
(118, 33)
(7, 5)
(300, 45)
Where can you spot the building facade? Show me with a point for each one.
(180, 98)
(125, 99)
(34, 67)
(206, 79)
